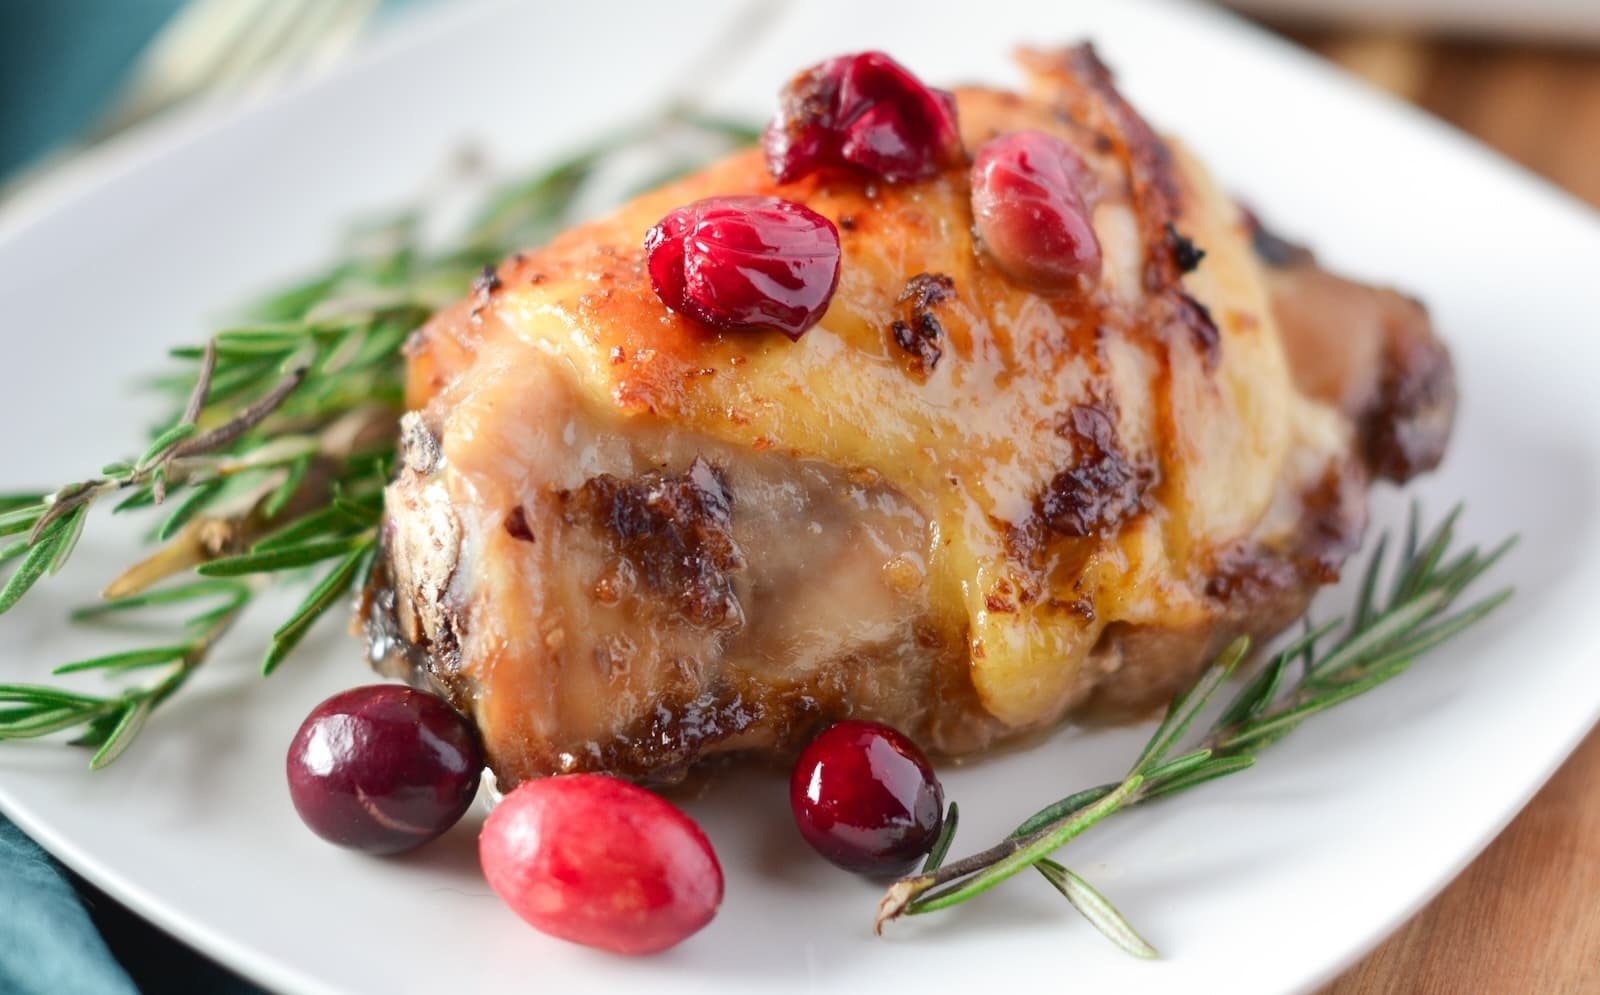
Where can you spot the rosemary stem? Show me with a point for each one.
(1027, 851)
(1058, 810)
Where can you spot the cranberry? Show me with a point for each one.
(598, 861)
(864, 796)
(1028, 202)
(864, 111)
(383, 768)
(745, 263)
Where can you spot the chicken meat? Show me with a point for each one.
(623, 541)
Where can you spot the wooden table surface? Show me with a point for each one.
(1525, 917)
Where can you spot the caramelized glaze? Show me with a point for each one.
(625, 542)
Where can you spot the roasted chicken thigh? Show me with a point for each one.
(622, 540)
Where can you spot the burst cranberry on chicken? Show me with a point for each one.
(956, 412)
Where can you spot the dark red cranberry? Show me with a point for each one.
(865, 112)
(865, 797)
(745, 263)
(383, 768)
(1031, 213)
(598, 861)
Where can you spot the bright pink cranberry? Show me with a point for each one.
(864, 111)
(865, 797)
(1029, 205)
(601, 862)
(745, 263)
(383, 768)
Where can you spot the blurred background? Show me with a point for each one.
(1523, 77)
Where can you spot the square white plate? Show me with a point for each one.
(1267, 882)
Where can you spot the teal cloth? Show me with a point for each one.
(61, 936)
(48, 945)
(61, 62)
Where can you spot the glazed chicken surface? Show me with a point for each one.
(624, 541)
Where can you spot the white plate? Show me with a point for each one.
(1267, 882)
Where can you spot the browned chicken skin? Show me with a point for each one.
(624, 542)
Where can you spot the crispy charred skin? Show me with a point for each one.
(623, 542)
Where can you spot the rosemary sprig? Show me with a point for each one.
(277, 450)
(1377, 644)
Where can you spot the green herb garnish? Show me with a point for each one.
(1377, 643)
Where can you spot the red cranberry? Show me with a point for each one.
(864, 796)
(383, 768)
(745, 263)
(864, 111)
(598, 861)
(1028, 202)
